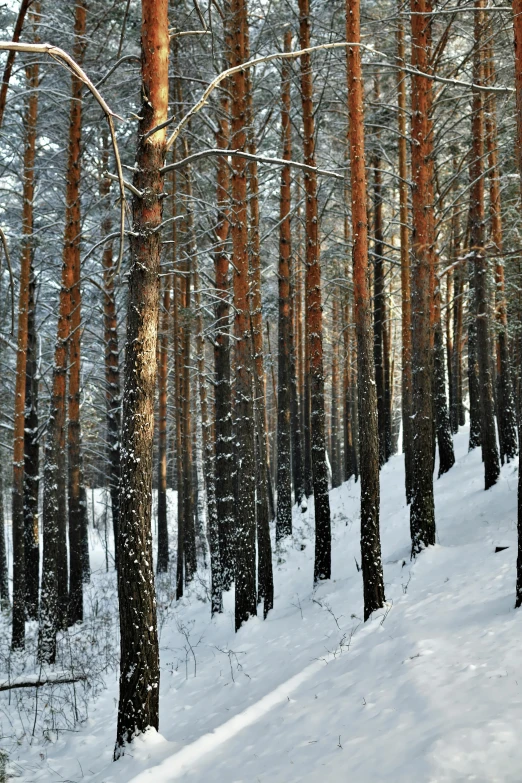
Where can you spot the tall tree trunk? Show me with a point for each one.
(139, 663)
(285, 327)
(178, 395)
(517, 30)
(373, 585)
(379, 298)
(163, 366)
(456, 406)
(480, 262)
(314, 316)
(224, 466)
(216, 588)
(506, 413)
(72, 257)
(31, 445)
(188, 250)
(264, 492)
(407, 430)
(335, 443)
(475, 437)
(245, 534)
(31, 464)
(296, 433)
(112, 361)
(4, 572)
(422, 515)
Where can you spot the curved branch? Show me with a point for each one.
(292, 56)
(240, 154)
(63, 57)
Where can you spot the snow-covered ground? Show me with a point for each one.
(430, 690)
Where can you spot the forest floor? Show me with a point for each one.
(429, 690)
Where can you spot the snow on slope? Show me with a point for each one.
(428, 691)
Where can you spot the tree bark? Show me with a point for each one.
(216, 587)
(285, 326)
(422, 514)
(481, 268)
(71, 254)
(314, 316)
(112, 362)
(163, 531)
(506, 413)
(373, 585)
(517, 31)
(379, 304)
(4, 573)
(245, 534)
(407, 430)
(139, 662)
(31, 445)
(224, 466)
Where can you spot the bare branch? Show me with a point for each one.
(240, 154)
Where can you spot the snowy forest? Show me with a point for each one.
(260, 391)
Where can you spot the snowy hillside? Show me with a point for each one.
(429, 690)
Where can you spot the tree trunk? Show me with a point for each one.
(422, 515)
(31, 464)
(379, 300)
(335, 444)
(31, 445)
(72, 258)
(112, 362)
(245, 534)
(216, 587)
(264, 492)
(139, 663)
(314, 316)
(444, 439)
(163, 531)
(224, 467)
(517, 29)
(18, 522)
(188, 250)
(481, 267)
(373, 585)
(285, 327)
(506, 413)
(4, 572)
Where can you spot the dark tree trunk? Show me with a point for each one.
(314, 319)
(406, 390)
(223, 437)
(373, 585)
(4, 573)
(31, 464)
(506, 413)
(285, 330)
(245, 534)
(481, 267)
(517, 28)
(422, 514)
(444, 439)
(335, 443)
(139, 662)
(112, 365)
(379, 304)
(72, 258)
(31, 444)
(163, 531)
